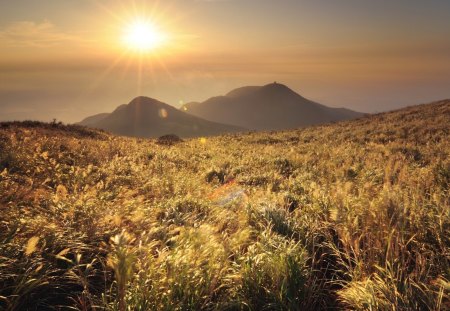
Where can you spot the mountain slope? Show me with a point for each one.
(274, 219)
(270, 107)
(93, 119)
(147, 117)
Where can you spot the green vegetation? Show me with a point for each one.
(353, 215)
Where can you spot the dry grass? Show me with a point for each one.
(353, 216)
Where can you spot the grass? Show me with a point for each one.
(353, 215)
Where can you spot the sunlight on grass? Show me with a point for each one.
(350, 216)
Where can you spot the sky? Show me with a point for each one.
(67, 59)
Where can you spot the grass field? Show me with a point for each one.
(353, 215)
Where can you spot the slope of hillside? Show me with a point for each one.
(92, 120)
(270, 107)
(147, 117)
(348, 216)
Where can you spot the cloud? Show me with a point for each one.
(32, 34)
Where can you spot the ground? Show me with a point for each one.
(353, 215)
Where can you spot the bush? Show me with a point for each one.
(168, 140)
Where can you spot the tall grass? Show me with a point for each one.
(353, 216)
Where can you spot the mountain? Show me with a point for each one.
(270, 107)
(89, 121)
(147, 117)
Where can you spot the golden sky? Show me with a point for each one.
(67, 59)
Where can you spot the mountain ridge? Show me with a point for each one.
(147, 117)
(269, 107)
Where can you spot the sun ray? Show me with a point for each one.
(142, 36)
(139, 84)
(107, 71)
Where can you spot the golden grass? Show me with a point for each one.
(353, 215)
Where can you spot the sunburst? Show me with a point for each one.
(142, 35)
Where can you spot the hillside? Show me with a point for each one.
(92, 120)
(347, 216)
(147, 117)
(270, 107)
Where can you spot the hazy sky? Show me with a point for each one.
(65, 59)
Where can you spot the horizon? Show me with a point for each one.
(74, 59)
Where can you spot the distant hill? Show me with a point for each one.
(89, 121)
(92, 120)
(147, 117)
(270, 107)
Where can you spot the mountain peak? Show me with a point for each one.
(148, 117)
(273, 106)
(276, 86)
(278, 89)
(144, 100)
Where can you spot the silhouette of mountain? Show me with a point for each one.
(147, 117)
(270, 107)
(93, 119)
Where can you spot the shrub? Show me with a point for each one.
(169, 140)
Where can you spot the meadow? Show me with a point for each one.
(347, 216)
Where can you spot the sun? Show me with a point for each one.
(143, 36)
